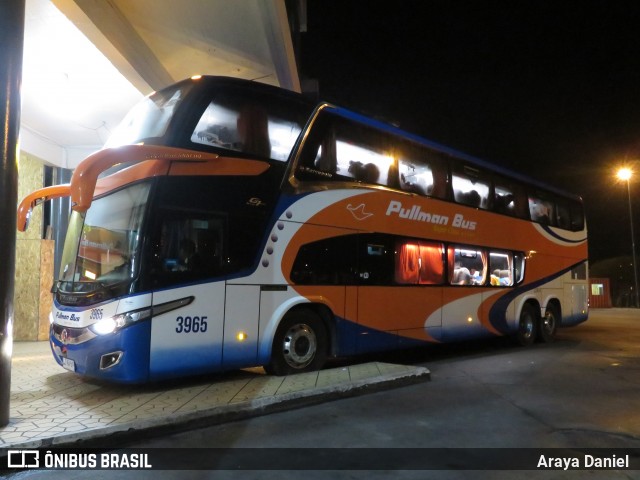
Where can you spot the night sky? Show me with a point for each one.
(550, 89)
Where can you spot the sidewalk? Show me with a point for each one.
(53, 407)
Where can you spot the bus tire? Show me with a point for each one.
(527, 326)
(549, 324)
(299, 345)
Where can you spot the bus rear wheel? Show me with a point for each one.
(549, 324)
(528, 326)
(300, 344)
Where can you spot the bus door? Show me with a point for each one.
(399, 293)
(187, 338)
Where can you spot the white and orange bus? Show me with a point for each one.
(251, 227)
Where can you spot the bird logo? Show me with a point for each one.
(358, 212)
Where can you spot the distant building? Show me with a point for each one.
(617, 272)
(599, 293)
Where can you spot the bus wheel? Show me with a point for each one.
(528, 325)
(549, 324)
(300, 344)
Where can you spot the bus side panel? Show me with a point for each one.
(498, 310)
(576, 306)
(396, 316)
(188, 341)
(461, 314)
(242, 311)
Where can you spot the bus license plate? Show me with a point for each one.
(69, 364)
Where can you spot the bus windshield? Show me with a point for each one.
(102, 246)
(150, 117)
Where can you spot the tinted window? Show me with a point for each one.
(541, 208)
(421, 170)
(501, 269)
(467, 265)
(510, 198)
(470, 186)
(577, 215)
(205, 227)
(341, 149)
(376, 257)
(251, 124)
(326, 262)
(149, 118)
(380, 260)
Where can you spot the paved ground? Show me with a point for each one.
(53, 407)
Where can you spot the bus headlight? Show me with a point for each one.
(117, 322)
(104, 326)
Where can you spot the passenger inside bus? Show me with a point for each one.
(501, 278)
(189, 260)
(467, 266)
(461, 276)
(367, 173)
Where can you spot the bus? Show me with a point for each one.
(230, 224)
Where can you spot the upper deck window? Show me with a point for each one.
(149, 118)
(217, 114)
(470, 186)
(252, 125)
(510, 198)
(341, 149)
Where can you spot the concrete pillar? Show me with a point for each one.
(11, 45)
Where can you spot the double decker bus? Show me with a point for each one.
(230, 224)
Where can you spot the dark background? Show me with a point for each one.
(550, 89)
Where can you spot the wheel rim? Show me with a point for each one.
(549, 323)
(527, 326)
(299, 346)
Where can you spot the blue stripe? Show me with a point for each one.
(548, 229)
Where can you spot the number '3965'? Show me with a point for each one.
(191, 324)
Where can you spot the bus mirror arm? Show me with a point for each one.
(85, 176)
(36, 198)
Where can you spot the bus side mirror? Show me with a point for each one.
(24, 215)
(36, 198)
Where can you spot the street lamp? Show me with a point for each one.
(625, 174)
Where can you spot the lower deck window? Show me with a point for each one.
(419, 262)
(477, 266)
(381, 259)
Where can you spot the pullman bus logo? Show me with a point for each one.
(416, 213)
(358, 212)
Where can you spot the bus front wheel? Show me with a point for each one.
(528, 325)
(300, 344)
